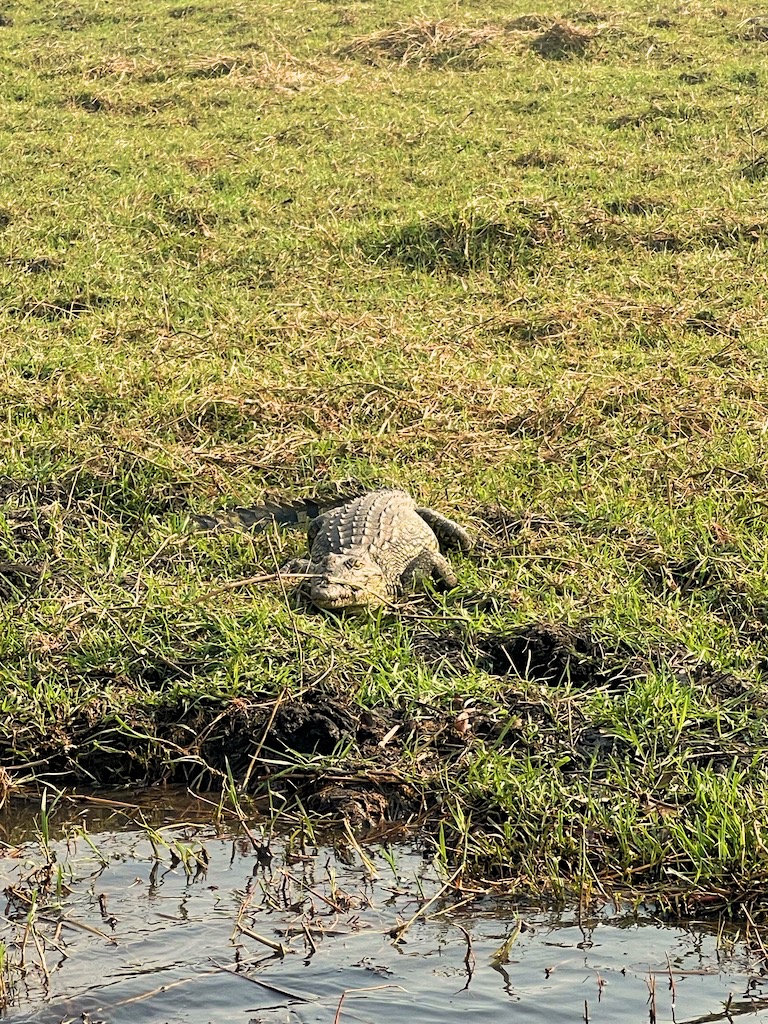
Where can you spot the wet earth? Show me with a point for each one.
(150, 912)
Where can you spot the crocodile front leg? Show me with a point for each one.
(296, 567)
(433, 564)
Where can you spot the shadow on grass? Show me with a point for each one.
(462, 243)
(62, 306)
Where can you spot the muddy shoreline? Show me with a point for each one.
(389, 770)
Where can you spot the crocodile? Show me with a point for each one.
(365, 552)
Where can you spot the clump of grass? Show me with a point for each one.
(125, 69)
(755, 28)
(562, 41)
(216, 66)
(530, 23)
(426, 43)
(465, 242)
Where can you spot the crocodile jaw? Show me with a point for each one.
(346, 583)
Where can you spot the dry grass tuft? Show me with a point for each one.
(218, 66)
(530, 23)
(285, 74)
(127, 68)
(7, 785)
(562, 41)
(422, 43)
(754, 28)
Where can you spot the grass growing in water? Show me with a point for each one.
(512, 263)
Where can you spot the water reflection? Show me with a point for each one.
(199, 923)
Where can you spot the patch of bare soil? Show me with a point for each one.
(546, 653)
(555, 655)
(309, 728)
(426, 43)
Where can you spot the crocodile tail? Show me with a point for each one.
(277, 512)
(260, 517)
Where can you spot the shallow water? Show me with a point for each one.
(161, 944)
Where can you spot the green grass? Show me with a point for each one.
(519, 271)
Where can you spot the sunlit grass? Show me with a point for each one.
(512, 264)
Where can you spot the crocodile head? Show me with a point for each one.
(349, 582)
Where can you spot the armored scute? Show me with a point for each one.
(365, 552)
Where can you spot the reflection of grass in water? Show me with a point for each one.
(238, 260)
(45, 900)
(191, 930)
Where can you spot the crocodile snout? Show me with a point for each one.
(326, 594)
(347, 583)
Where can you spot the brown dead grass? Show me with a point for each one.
(754, 28)
(424, 43)
(281, 73)
(127, 68)
(216, 66)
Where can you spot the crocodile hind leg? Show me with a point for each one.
(442, 572)
(449, 534)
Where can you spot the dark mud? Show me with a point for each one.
(283, 740)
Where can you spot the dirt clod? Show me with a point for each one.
(550, 654)
(359, 806)
(311, 729)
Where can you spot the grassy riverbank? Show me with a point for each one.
(513, 264)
